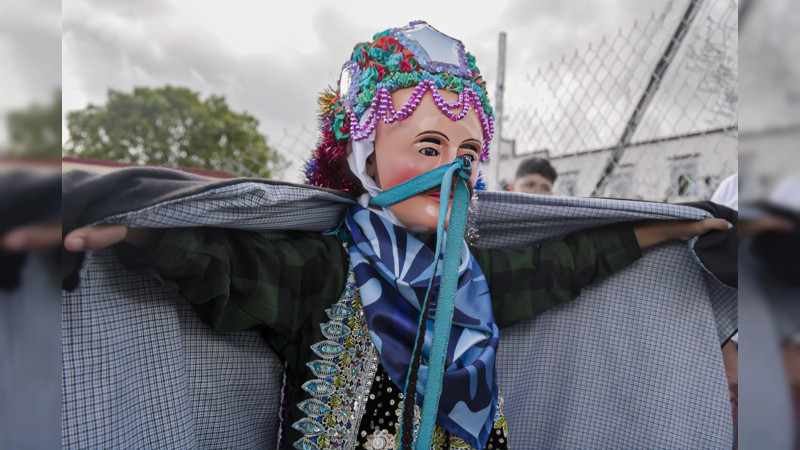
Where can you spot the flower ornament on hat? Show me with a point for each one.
(415, 56)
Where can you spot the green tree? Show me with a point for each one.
(35, 131)
(172, 126)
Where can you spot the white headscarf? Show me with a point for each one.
(357, 154)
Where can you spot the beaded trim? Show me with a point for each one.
(382, 108)
(345, 372)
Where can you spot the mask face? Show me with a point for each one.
(422, 142)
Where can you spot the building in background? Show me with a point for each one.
(649, 113)
(671, 170)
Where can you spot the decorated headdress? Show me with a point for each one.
(416, 55)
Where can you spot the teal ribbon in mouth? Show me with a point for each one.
(460, 170)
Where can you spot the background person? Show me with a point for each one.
(534, 176)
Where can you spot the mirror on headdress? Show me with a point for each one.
(349, 72)
(440, 48)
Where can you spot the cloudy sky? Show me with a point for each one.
(272, 58)
(30, 53)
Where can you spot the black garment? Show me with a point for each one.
(777, 251)
(25, 198)
(718, 250)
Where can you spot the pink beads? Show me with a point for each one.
(382, 108)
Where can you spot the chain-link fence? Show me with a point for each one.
(648, 113)
(295, 145)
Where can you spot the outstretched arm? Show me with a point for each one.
(102, 236)
(236, 279)
(32, 237)
(99, 237)
(525, 283)
(656, 232)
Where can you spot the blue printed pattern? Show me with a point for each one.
(393, 270)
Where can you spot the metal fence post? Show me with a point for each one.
(498, 110)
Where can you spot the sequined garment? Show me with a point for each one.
(354, 402)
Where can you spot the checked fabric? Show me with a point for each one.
(634, 362)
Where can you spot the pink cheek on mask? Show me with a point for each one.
(400, 174)
(396, 174)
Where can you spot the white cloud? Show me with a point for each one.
(272, 59)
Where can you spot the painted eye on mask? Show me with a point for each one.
(470, 150)
(428, 151)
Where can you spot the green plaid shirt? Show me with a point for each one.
(238, 280)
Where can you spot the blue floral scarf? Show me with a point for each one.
(393, 270)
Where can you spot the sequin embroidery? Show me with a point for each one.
(344, 374)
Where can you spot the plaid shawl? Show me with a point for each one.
(633, 362)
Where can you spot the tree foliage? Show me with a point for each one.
(172, 126)
(35, 131)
